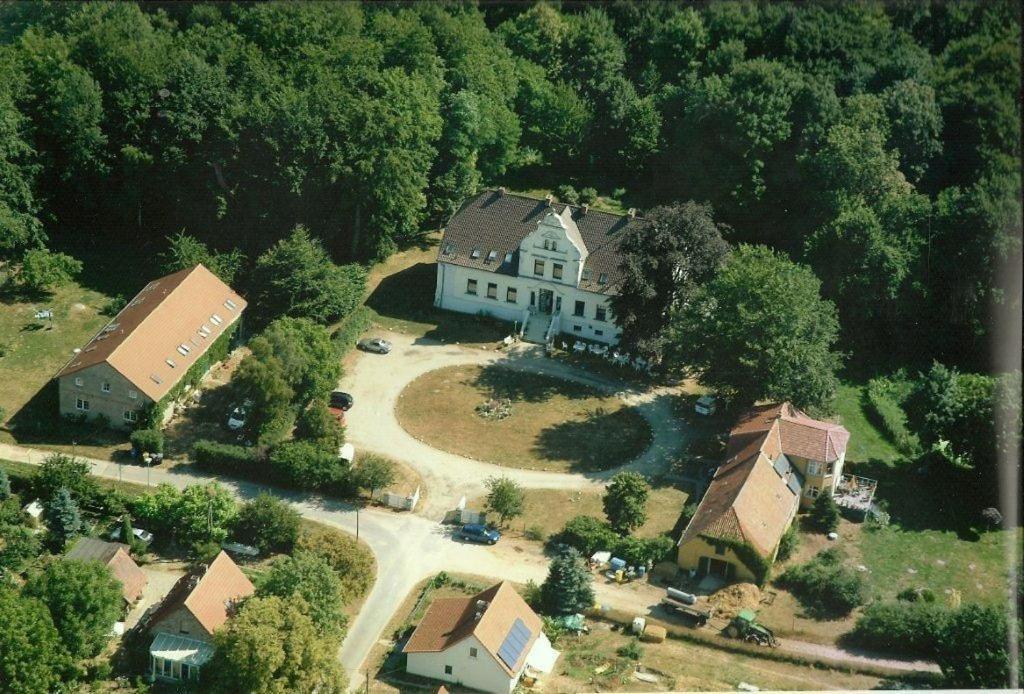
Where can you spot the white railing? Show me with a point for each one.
(553, 328)
(522, 323)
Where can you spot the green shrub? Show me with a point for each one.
(632, 650)
(535, 533)
(303, 465)
(824, 586)
(911, 628)
(641, 551)
(916, 595)
(788, 544)
(227, 458)
(587, 195)
(587, 535)
(566, 193)
(147, 440)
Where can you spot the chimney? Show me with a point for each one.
(586, 208)
(550, 199)
(632, 212)
(502, 190)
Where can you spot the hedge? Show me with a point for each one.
(912, 628)
(224, 457)
(147, 440)
(587, 535)
(882, 399)
(354, 325)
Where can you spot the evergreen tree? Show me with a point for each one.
(63, 518)
(568, 589)
(824, 513)
(5, 486)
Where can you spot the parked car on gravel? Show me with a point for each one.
(476, 532)
(374, 344)
(341, 400)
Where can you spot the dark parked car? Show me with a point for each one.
(374, 344)
(341, 400)
(475, 532)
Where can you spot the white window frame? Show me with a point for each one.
(472, 286)
(82, 404)
(511, 295)
(79, 382)
(813, 492)
(492, 286)
(601, 313)
(131, 416)
(133, 395)
(557, 270)
(105, 386)
(538, 268)
(814, 468)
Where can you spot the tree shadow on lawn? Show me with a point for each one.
(409, 296)
(523, 386)
(602, 440)
(921, 496)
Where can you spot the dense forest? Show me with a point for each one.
(877, 143)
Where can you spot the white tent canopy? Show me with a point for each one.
(180, 649)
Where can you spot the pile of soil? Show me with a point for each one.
(739, 596)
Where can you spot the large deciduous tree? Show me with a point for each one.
(505, 497)
(84, 600)
(313, 579)
(760, 329)
(33, 658)
(269, 523)
(625, 501)
(374, 472)
(973, 652)
(272, 646)
(664, 260)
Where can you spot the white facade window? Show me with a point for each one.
(472, 652)
(82, 404)
(105, 387)
(79, 382)
(131, 416)
(492, 290)
(134, 395)
(556, 271)
(471, 287)
(601, 313)
(814, 468)
(511, 295)
(538, 267)
(812, 492)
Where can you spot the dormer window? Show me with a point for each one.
(508, 257)
(449, 248)
(230, 305)
(183, 350)
(475, 253)
(587, 274)
(602, 278)
(215, 319)
(170, 363)
(491, 256)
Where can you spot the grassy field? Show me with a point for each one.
(680, 666)
(549, 509)
(554, 424)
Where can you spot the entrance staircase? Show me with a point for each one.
(537, 328)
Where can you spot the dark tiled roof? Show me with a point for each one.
(498, 222)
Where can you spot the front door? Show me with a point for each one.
(546, 299)
(716, 567)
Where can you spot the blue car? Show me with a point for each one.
(475, 532)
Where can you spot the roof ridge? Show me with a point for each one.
(149, 315)
(568, 205)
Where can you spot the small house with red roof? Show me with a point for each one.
(485, 642)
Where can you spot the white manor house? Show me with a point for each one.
(548, 266)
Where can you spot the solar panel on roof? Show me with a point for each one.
(515, 641)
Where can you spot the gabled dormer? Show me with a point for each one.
(554, 250)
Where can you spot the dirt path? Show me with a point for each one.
(378, 381)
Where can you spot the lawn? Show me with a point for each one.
(554, 424)
(400, 293)
(549, 509)
(867, 442)
(32, 351)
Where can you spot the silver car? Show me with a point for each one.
(374, 344)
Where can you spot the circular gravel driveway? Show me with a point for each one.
(376, 381)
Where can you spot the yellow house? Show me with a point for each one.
(775, 458)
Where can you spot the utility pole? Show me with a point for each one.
(357, 522)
